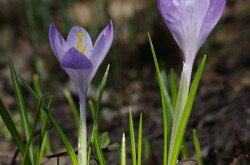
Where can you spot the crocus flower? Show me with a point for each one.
(81, 59)
(190, 22)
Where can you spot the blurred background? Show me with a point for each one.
(221, 113)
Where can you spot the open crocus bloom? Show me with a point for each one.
(80, 59)
(77, 55)
(190, 22)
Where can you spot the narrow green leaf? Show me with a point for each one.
(27, 147)
(46, 142)
(99, 152)
(173, 88)
(184, 149)
(132, 137)
(11, 127)
(94, 135)
(169, 107)
(174, 152)
(197, 147)
(21, 106)
(43, 139)
(92, 109)
(59, 130)
(164, 108)
(146, 150)
(37, 86)
(123, 150)
(73, 107)
(139, 141)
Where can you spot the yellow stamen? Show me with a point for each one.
(79, 47)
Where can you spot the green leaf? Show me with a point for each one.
(59, 130)
(104, 140)
(174, 151)
(21, 106)
(27, 147)
(123, 150)
(73, 107)
(163, 101)
(197, 147)
(45, 143)
(139, 141)
(173, 88)
(113, 147)
(132, 137)
(92, 109)
(37, 86)
(11, 127)
(94, 135)
(43, 139)
(169, 107)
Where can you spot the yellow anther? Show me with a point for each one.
(79, 47)
(84, 48)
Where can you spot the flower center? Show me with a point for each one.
(79, 43)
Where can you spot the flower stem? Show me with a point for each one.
(82, 141)
(180, 103)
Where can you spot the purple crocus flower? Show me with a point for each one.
(81, 59)
(190, 22)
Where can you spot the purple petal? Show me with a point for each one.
(80, 79)
(72, 39)
(172, 19)
(190, 21)
(101, 47)
(57, 42)
(213, 15)
(73, 59)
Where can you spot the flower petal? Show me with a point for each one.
(172, 19)
(57, 42)
(184, 18)
(73, 59)
(101, 47)
(72, 39)
(80, 79)
(213, 15)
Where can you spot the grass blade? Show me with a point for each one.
(173, 88)
(37, 86)
(197, 147)
(123, 150)
(11, 127)
(169, 107)
(43, 139)
(92, 109)
(139, 141)
(164, 108)
(94, 135)
(173, 154)
(21, 106)
(132, 137)
(72, 107)
(59, 130)
(37, 115)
